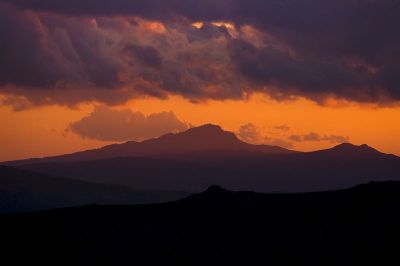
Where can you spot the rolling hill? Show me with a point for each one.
(355, 226)
(22, 191)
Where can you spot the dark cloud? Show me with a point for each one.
(312, 136)
(123, 125)
(52, 59)
(154, 9)
(285, 76)
(288, 48)
(24, 59)
(146, 55)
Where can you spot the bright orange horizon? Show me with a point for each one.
(46, 131)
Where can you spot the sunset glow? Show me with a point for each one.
(291, 84)
(200, 132)
(49, 133)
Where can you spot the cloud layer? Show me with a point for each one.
(249, 133)
(124, 125)
(67, 52)
(312, 136)
(280, 136)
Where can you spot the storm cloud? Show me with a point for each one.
(112, 51)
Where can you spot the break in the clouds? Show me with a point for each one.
(110, 51)
(107, 124)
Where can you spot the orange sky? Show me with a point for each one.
(42, 131)
(121, 56)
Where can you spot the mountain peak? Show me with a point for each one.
(206, 129)
(366, 147)
(345, 146)
(207, 136)
(215, 190)
(351, 148)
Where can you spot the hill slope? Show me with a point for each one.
(350, 227)
(22, 191)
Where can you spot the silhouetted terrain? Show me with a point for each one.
(350, 227)
(340, 167)
(195, 159)
(22, 191)
(204, 138)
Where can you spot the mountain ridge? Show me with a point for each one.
(193, 172)
(199, 157)
(22, 191)
(207, 137)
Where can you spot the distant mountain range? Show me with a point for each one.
(22, 191)
(199, 139)
(193, 160)
(216, 227)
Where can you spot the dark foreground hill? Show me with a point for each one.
(350, 227)
(22, 191)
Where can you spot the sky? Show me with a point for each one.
(301, 74)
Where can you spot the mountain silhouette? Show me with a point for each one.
(350, 150)
(342, 166)
(201, 156)
(198, 139)
(22, 191)
(356, 226)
